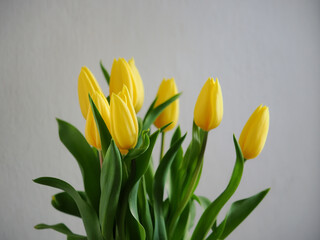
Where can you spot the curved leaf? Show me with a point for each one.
(209, 216)
(64, 203)
(239, 210)
(105, 72)
(89, 216)
(138, 231)
(144, 209)
(104, 133)
(152, 115)
(61, 228)
(137, 151)
(86, 158)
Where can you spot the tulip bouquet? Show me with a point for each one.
(125, 196)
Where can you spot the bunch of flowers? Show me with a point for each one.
(125, 196)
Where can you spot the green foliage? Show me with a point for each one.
(209, 216)
(111, 177)
(105, 72)
(64, 203)
(88, 215)
(62, 228)
(128, 196)
(86, 158)
(153, 113)
(102, 128)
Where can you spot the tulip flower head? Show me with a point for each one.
(167, 90)
(87, 84)
(124, 73)
(91, 130)
(254, 133)
(124, 124)
(208, 111)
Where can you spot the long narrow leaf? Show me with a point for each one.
(89, 216)
(105, 72)
(138, 232)
(64, 203)
(155, 112)
(111, 177)
(104, 133)
(144, 209)
(86, 158)
(209, 216)
(158, 189)
(239, 210)
(61, 228)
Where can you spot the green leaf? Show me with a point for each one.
(105, 72)
(175, 171)
(150, 109)
(149, 177)
(104, 133)
(140, 149)
(204, 202)
(187, 176)
(158, 189)
(183, 223)
(144, 209)
(209, 216)
(137, 232)
(142, 162)
(239, 210)
(111, 177)
(64, 203)
(152, 115)
(61, 228)
(86, 158)
(89, 216)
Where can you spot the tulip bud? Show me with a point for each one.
(91, 130)
(167, 90)
(124, 124)
(87, 84)
(123, 73)
(139, 85)
(208, 110)
(254, 133)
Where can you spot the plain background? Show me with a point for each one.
(262, 52)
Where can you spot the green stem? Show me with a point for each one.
(162, 145)
(101, 158)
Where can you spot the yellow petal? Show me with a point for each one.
(87, 84)
(139, 85)
(167, 89)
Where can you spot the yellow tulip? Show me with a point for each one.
(91, 130)
(124, 124)
(254, 133)
(124, 73)
(87, 84)
(208, 111)
(167, 90)
(139, 85)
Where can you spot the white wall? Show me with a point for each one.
(261, 51)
